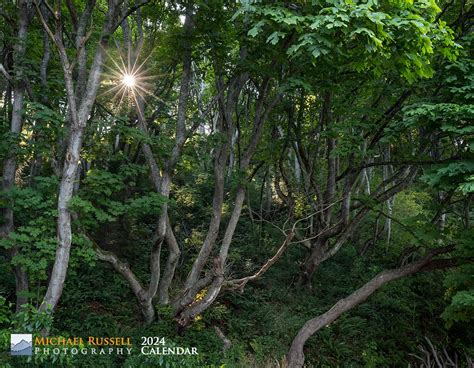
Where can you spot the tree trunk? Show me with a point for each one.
(212, 233)
(386, 172)
(10, 163)
(168, 273)
(66, 188)
(313, 261)
(295, 356)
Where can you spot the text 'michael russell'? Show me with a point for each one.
(76, 341)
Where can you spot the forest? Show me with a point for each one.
(252, 183)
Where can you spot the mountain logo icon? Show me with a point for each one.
(21, 344)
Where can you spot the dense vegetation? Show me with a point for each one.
(279, 184)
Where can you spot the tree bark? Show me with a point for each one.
(386, 172)
(226, 127)
(217, 202)
(313, 261)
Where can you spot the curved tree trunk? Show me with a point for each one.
(140, 292)
(295, 356)
(66, 188)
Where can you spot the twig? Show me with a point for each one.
(129, 12)
(240, 283)
(5, 73)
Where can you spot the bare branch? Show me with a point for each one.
(5, 73)
(239, 284)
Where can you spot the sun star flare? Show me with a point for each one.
(128, 80)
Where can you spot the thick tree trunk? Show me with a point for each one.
(295, 356)
(185, 309)
(9, 170)
(213, 230)
(225, 126)
(188, 313)
(22, 286)
(313, 261)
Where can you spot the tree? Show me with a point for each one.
(15, 95)
(81, 94)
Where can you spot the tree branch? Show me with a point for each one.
(295, 356)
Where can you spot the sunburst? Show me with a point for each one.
(127, 80)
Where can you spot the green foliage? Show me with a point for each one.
(359, 57)
(101, 198)
(35, 234)
(364, 36)
(28, 320)
(460, 283)
(456, 175)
